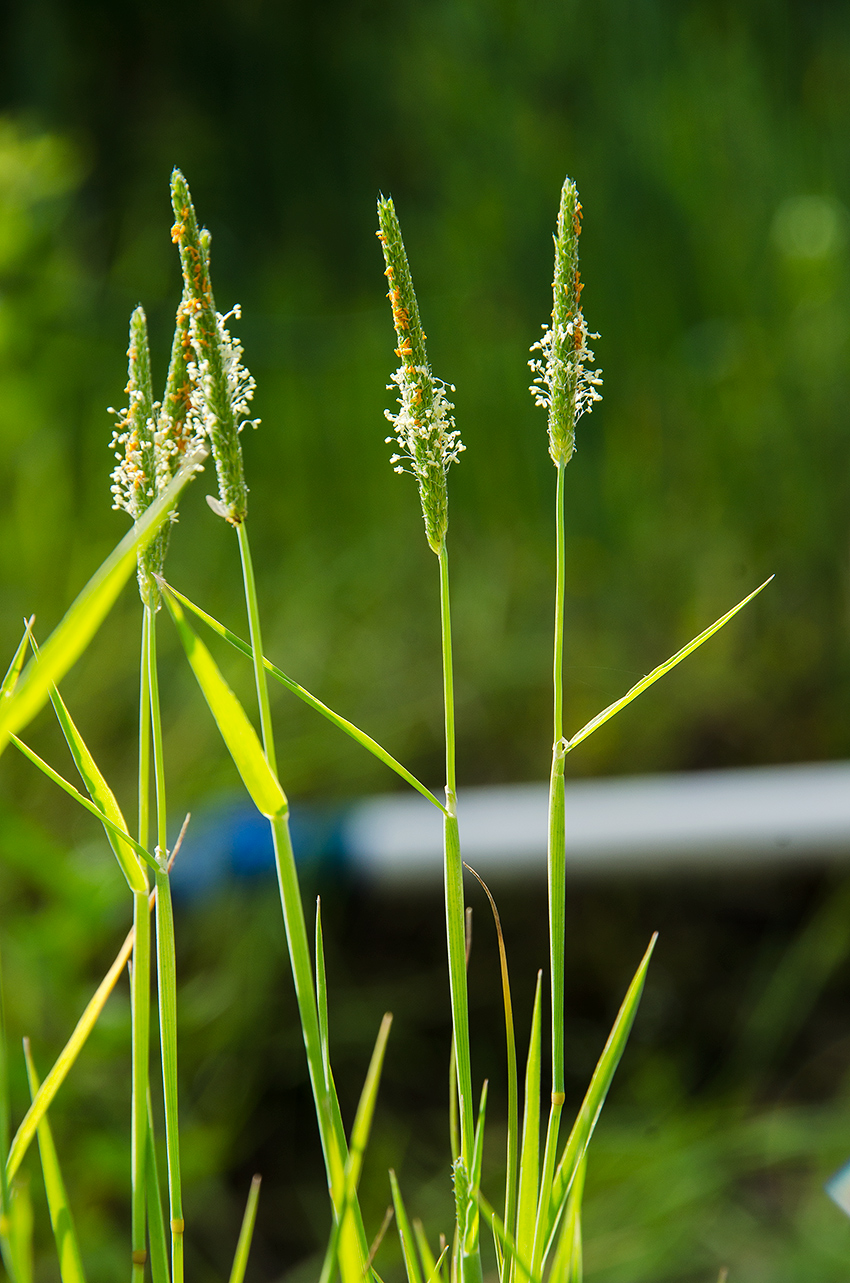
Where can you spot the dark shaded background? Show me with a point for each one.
(710, 145)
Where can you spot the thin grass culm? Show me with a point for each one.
(428, 443)
(567, 388)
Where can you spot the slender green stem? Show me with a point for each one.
(453, 873)
(144, 740)
(331, 1130)
(469, 1248)
(140, 1001)
(556, 864)
(557, 838)
(257, 645)
(166, 968)
(140, 989)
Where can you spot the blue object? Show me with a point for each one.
(230, 839)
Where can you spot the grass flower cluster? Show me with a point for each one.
(160, 445)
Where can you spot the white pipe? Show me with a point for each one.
(761, 814)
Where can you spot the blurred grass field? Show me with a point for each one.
(710, 145)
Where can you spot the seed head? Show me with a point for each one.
(134, 475)
(222, 387)
(563, 383)
(423, 425)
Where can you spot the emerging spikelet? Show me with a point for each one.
(134, 475)
(424, 427)
(222, 387)
(563, 383)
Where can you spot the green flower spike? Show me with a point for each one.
(424, 426)
(134, 476)
(223, 387)
(563, 384)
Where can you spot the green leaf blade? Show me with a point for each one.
(594, 1099)
(239, 735)
(529, 1163)
(73, 634)
(64, 1233)
(306, 697)
(246, 1232)
(645, 682)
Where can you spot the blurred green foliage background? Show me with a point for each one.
(710, 144)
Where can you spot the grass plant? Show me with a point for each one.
(159, 446)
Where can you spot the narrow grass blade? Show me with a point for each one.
(73, 634)
(594, 1099)
(156, 1218)
(13, 672)
(246, 1233)
(343, 1249)
(342, 723)
(67, 1248)
(645, 682)
(478, 1144)
(322, 995)
(529, 1163)
(101, 794)
(513, 1259)
(20, 1226)
(426, 1256)
(111, 826)
(567, 1264)
(513, 1093)
(408, 1243)
(236, 730)
(5, 1114)
(378, 1240)
(54, 1080)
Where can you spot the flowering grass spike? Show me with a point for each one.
(134, 475)
(424, 427)
(563, 384)
(223, 387)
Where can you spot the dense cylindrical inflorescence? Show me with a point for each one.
(563, 383)
(222, 387)
(151, 439)
(424, 427)
(134, 475)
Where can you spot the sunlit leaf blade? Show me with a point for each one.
(54, 1080)
(529, 1163)
(5, 1114)
(156, 1218)
(239, 735)
(111, 826)
(19, 1230)
(408, 1245)
(567, 1264)
(73, 634)
(101, 794)
(13, 672)
(342, 723)
(645, 682)
(344, 1248)
(594, 1099)
(67, 1248)
(246, 1233)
